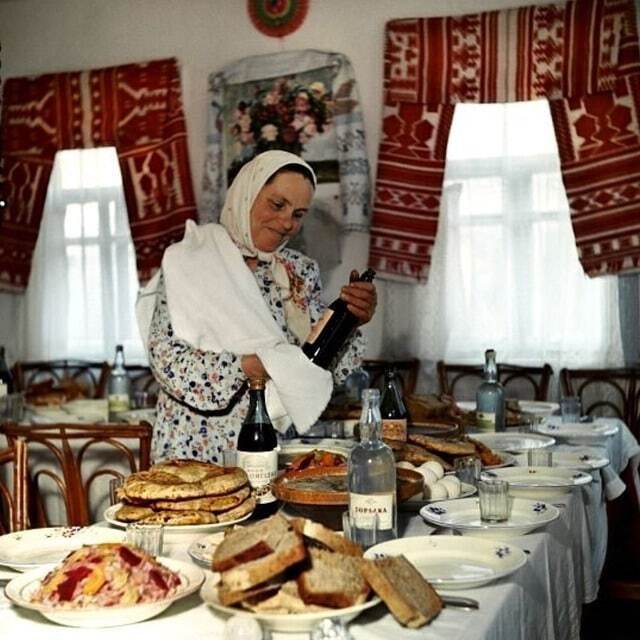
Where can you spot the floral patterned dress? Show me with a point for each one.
(203, 398)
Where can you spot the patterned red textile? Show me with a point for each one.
(583, 56)
(138, 109)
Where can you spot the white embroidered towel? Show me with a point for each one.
(215, 305)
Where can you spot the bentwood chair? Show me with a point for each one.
(13, 488)
(520, 382)
(606, 392)
(65, 460)
(86, 378)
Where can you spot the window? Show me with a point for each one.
(83, 288)
(505, 270)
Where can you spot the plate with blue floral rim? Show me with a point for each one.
(540, 482)
(34, 548)
(453, 562)
(583, 458)
(577, 431)
(464, 516)
(513, 442)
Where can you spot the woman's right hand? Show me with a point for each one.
(253, 367)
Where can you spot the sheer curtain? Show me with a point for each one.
(505, 270)
(82, 291)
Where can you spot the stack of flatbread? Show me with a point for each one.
(185, 492)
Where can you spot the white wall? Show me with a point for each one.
(41, 36)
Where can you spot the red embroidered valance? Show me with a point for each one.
(138, 109)
(582, 56)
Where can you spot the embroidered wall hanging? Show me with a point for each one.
(301, 101)
(138, 109)
(582, 56)
(277, 18)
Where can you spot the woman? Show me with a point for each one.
(203, 398)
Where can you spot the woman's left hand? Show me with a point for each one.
(361, 298)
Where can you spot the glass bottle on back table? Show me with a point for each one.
(392, 408)
(118, 386)
(490, 397)
(257, 450)
(371, 479)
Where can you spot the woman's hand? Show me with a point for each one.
(361, 298)
(253, 367)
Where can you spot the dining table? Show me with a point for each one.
(542, 600)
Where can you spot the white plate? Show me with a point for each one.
(110, 517)
(415, 503)
(26, 550)
(580, 458)
(577, 430)
(541, 482)
(138, 415)
(284, 622)
(464, 516)
(536, 407)
(508, 460)
(21, 589)
(452, 562)
(202, 549)
(514, 442)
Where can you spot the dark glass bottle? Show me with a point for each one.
(258, 450)
(332, 330)
(5, 374)
(392, 408)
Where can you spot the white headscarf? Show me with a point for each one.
(236, 219)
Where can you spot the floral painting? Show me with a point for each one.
(293, 113)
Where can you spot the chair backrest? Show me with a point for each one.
(13, 488)
(89, 378)
(520, 382)
(142, 381)
(606, 392)
(407, 371)
(66, 460)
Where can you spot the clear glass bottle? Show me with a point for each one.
(257, 450)
(490, 397)
(333, 329)
(6, 379)
(392, 408)
(118, 386)
(371, 479)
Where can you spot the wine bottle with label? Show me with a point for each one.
(490, 397)
(392, 408)
(332, 330)
(371, 479)
(118, 386)
(257, 451)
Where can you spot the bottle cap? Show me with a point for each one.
(257, 383)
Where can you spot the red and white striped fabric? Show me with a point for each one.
(138, 109)
(583, 56)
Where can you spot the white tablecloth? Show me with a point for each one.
(542, 600)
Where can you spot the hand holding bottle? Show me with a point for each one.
(253, 367)
(361, 298)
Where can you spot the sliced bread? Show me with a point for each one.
(410, 598)
(330, 539)
(249, 543)
(288, 551)
(333, 580)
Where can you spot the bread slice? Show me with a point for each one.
(330, 539)
(288, 551)
(263, 591)
(410, 598)
(286, 600)
(249, 543)
(334, 580)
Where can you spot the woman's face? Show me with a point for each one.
(278, 210)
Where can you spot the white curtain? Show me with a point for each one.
(83, 285)
(505, 270)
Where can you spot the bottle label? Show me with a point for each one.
(319, 326)
(118, 402)
(486, 421)
(261, 467)
(362, 508)
(394, 429)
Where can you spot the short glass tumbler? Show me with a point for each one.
(493, 495)
(570, 409)
(540, 457)
(467, 469)
(148, 537)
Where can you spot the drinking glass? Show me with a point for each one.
(539, 457)
(114, 485)
(570, 409)
(494, 500)
(148, 537)
(467, 469)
